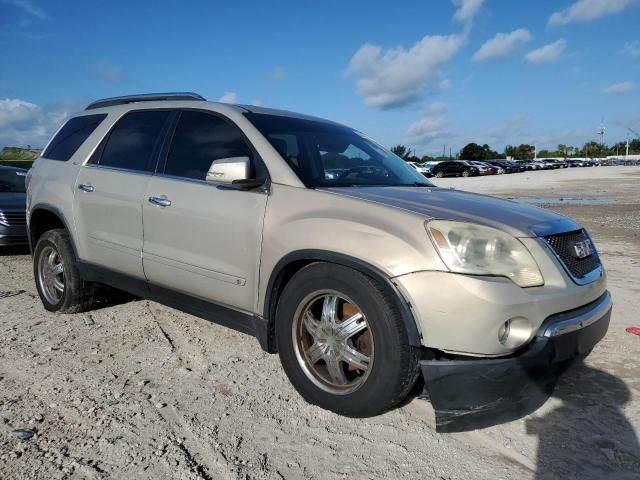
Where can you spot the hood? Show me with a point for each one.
(515, 218)
(13, 201)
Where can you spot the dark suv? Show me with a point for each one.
(13, 222)
(458, 168)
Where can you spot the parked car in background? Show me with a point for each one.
(506, 166)
(484, 168)
(455, 168)
(422, 168)
(361, 283)
(532, 164)
(519, 166)
(13, 224)
(574, 163)
(550, 163)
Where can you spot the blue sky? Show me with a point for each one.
(423, 73)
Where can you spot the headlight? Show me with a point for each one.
(477, 250)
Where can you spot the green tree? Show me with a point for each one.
(471, 151)
(510, 151)
(402, 151)
(562, 150)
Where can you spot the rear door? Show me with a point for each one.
(201, 238)
(110, 189)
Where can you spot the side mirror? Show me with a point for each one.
(229, 170)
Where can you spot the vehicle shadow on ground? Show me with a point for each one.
(588, 436)
(14, 250)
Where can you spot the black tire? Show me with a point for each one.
(77, 295)
(394, 369)
(440, 174)
(466, 173)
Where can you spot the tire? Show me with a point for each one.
(64, 291)
(439, 174)
(466, 173)
(393, 364)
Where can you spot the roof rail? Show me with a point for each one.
(144, 97)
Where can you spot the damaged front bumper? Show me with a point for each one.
(473, 393)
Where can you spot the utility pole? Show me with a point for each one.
(444, 150)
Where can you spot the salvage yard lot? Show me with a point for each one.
(140, 390)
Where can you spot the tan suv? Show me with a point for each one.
(325, 246)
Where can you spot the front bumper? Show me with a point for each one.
(468, 393)
(13, 235)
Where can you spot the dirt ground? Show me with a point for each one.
(138, 390)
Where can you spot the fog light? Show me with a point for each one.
(514, 332)
(503, 332)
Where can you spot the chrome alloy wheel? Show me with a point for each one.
(333, 342)
(51, 275)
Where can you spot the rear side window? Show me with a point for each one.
(199, 139)
(71, 136)
(133, 141)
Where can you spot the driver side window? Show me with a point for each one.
(199, 139)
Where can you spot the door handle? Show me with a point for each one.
(160, 201)
(85, 187)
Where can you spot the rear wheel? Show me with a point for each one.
(342, 342)
(57, 278)
(466, 173)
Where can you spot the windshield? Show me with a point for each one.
(12, 181)
(324, 154)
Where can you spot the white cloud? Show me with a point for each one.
(229, 97)
(25, 123)
(445, 84)
(621, 87)
(549, 53)
(631, 49)
(587, 10)
(435, 107)
(466, 9)
(397, 76)
(278, 73)
(501, 45)
(109, 73)
(28, 8)
(427, 130)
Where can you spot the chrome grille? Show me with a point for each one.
(13, 218)
(563, 246)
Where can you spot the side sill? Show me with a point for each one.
(243, 322)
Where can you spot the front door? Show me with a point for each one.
(200, 238)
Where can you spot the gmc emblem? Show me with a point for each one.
(582, 249)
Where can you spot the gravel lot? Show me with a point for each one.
(141, 390)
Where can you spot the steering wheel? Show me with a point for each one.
(360, 171)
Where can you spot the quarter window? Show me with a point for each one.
(199, 139)
(71, 136)
(133, 141)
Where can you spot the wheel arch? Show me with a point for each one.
(44, 217)
(293, 262)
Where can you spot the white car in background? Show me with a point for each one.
(535, 165)
(422, 168)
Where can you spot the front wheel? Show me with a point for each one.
(440, 174)
(342, 342)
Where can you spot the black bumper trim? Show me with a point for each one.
(477, 393)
